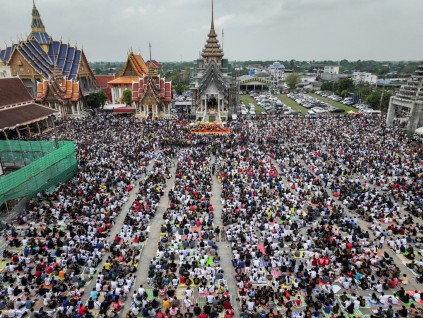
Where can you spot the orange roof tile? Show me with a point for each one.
(123, 81)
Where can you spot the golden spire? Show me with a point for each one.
(37, 24)
(212, 49)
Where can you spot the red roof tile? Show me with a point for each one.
(103, 80)
(23, 115)
(12, 92)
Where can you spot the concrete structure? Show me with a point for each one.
(334, 70)
(406, 107)
(214, 91)
(364, 77)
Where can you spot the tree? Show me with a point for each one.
(180, 88)
(346, 84)
(97, 99)
(127, 97)
(327, 86)
(292, 80)
(373, 99)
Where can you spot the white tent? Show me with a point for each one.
(419, 131)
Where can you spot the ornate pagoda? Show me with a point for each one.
(214, 90)
(39, 61)
(406, 108)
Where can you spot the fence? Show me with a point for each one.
(43, 166)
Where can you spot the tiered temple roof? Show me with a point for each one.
(62, 90)
(159, 88)
(413, 90)
(135, 68)
(212, 49)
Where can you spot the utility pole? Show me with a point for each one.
(381, 95)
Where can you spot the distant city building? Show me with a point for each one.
(277, 72)
(364, 77)
(253, 83)
(50, 68)
(214, 91)
(334, 70)
(330, 73)
(406, 107)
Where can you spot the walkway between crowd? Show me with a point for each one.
(150, 249)
(116, 228)
(225, 251)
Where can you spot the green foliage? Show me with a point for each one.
(292, 80)
(127, 97)
(373, 99)
(180, 88)
(97, 99)
(327, 86)
(345, 84)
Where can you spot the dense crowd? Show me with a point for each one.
(322, 216)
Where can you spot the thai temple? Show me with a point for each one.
(135, 68)
(406, 107)
(55, 74)
(151, 94)
(214, 90)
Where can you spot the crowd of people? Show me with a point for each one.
(322, 217)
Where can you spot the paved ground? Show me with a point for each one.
(224, 249)
(150, 249)
(117, 226)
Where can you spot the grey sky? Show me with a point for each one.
(254, 29)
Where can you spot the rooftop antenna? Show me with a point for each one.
(223, 34)
(149, 44)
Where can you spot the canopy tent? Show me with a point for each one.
(124, 110)
(419, 131)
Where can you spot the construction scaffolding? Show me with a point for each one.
(40, 164)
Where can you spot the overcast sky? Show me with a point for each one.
(254, 29)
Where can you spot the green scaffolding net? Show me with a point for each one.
(41, 164)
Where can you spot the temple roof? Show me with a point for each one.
(17, 106)
(135, 66)
(64, 57)
(155, 85)
(61, 90)
(23, 115)
(125, 80)
(213, 74)
(212, 49)
(13, 92)
(103, 80)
